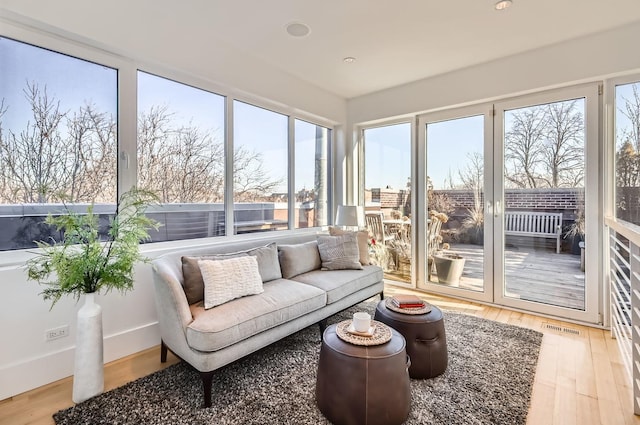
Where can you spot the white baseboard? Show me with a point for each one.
(35, 372)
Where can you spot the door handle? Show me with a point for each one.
(496, 210)
(488, 208)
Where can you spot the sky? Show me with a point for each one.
(388, 151)
(255, 128)
(188, 104)
(387, 148)
(449, 146)
(21, 63)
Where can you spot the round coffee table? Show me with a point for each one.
(363, 384)
(425, 338)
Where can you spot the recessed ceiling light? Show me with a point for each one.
(503, 4)
(349, 59)
(298, 29)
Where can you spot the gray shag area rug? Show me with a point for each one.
(488, 381)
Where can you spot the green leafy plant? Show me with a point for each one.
(86, 262)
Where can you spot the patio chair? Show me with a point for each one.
(375, 226)
(383, 239)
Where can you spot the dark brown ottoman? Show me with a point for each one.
(425, 339)
(363, 384)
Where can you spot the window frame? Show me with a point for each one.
(58, 46)
(416, 185)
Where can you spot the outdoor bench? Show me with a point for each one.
(534, 224)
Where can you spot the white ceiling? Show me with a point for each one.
(395, 42)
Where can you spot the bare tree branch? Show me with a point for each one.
(523, 147)
(563, 152)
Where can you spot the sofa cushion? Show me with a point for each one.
(339, 252)
(225, 280)
(298, 258)
(282, 300)
(363, 242)
(341, 283)
(268, 266)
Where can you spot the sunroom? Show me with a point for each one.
(509, 180)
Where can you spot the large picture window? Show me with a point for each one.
(260, 168)
(181, 157)
(627, 138)
(58, 139)
(59, 149)
(312, 174)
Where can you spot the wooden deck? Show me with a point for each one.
(532, 274)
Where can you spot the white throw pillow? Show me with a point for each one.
(225, 280)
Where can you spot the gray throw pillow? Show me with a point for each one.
(268, 266)
(299, 258)
(339, 252)
(363, 242)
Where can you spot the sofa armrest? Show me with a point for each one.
(172, 307)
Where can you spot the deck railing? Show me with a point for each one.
(22, 224)
(624, 273)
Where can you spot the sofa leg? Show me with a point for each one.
(207, 381)
(381, 295)
(323, 325)
(163, 352)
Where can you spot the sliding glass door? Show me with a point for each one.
(458, 180)
(547, 202)
(513, 187)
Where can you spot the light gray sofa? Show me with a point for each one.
(304, 295)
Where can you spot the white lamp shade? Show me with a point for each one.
(350, 215)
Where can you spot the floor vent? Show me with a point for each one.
(561, 329)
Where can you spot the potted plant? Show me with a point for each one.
(84, 263)
(576, 232)
(449, 266)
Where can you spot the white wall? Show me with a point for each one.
(580, 60)
(28, 361)
(130, 325)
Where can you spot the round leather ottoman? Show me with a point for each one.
(425, 338)
(363, 384)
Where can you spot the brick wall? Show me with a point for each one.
(565, 201)
(390, 199)
(552, 200)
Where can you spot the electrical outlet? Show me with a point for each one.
(55, 333)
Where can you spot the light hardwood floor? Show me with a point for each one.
(580, 379)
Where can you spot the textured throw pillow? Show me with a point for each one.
(363, 242)
(339, 252)
(193, 285)
(225, 280)
(299, 258)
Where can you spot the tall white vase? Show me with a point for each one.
(88, 376)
